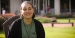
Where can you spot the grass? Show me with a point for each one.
(65, 20)
(43, 20)
(2, 34)
(66, 32)
(56, 32)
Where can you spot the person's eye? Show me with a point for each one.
(24, 9)
(30, 9)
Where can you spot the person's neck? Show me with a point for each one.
(27, 21)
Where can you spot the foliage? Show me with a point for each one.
(43, 20)
(60, 16)
(64, 16)
(48, 15)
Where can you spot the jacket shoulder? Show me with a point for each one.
(36, 21)
(15, 23)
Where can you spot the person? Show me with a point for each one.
(48, 9)
(3, 11)
(26, 26)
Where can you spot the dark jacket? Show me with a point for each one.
(15, 30)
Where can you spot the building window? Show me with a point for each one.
(73, 6)
(6, 5)
(51, 3)
(41, 4)
(64, 6)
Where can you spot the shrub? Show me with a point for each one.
(61, 16)
(8, 15)
(43, 20)
(48, 15)
(65, 16)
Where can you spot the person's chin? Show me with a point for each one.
(28, 17)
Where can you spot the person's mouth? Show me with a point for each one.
(27, 14)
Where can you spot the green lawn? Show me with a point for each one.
(54, 32)
(66, 32)
(2, 34)
(65, 20)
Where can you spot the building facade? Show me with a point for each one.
(57, 7)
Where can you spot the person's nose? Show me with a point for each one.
(27, 11)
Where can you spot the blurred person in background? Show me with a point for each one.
(3, 11)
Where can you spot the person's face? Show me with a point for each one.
(27, 10)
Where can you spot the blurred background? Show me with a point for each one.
(57, 16)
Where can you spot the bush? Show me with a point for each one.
(43, 20)
(48, 15)
(61, 16)
(65, 16)
(8, 15)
